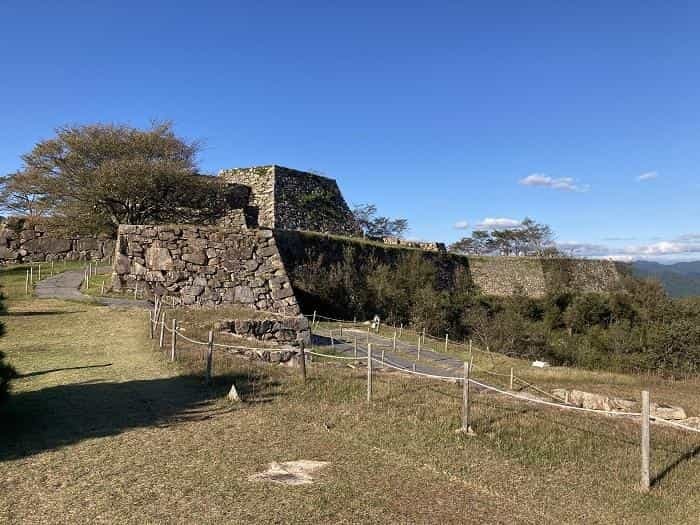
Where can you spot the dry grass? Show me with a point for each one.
(102, 429)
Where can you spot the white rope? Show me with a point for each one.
(237, 347)
(549, 403)
(191, 340)
(515, 396)
(673, 424)
(336, 356)
(461, 379)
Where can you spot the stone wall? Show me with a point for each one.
(505, 276)
(305, 201)
(280, 331)
(308, 255)
(260, 211)
(293, 200)
(582, 274)
(201, 265)
(22, 242)
(314, 260)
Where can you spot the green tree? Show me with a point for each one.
(97, 176)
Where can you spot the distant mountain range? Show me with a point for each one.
(680, 279)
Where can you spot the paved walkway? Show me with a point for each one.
(66, 286)
(429, 362)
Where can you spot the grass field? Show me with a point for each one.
(102, 429)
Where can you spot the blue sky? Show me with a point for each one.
(443, 113)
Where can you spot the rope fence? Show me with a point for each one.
(157, 321)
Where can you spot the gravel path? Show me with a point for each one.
(66, 286)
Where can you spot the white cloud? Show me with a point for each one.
(461, 225)
(683, 246)
(584, 249)
(649, 175)
(498, 223)
(561, 183)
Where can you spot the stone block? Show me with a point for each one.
(121, 264)
(243, 295)
(282, 293)
(48, 245)
(158, 258)
(198, 257)
(8, 254)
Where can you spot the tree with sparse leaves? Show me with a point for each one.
(527, 238)
(95, 177)
(374, 226)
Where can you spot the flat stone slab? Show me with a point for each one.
(290, 472)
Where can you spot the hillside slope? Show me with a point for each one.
(679, 280)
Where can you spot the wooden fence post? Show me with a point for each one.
(401, 331)
(511, 378)
(210, 354)
(162, 329)
(383, 365)
(39, 279)
(341, 330)
(102, 289)
(150, 324)
(418, 356)
(313, 320)
(466, 402)
(447, 338)
(302, 363)
(394, 342)
(26, 283)
(51, 268)
(173, 340)
(369, 373)
(645, 485)
(31, 274)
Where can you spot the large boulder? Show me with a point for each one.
(159, 259)
(594, 401)
(48, 245)
(121, 265)
(663, 411)
(7, 254)
(87, 244)
(243, 295)
(692, 422)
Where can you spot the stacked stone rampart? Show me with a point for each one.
(206, 266)
(284, 198)
(22, 241)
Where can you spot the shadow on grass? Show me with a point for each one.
(42, 372)
(58, 416)
(688, 456)
(46, 312)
